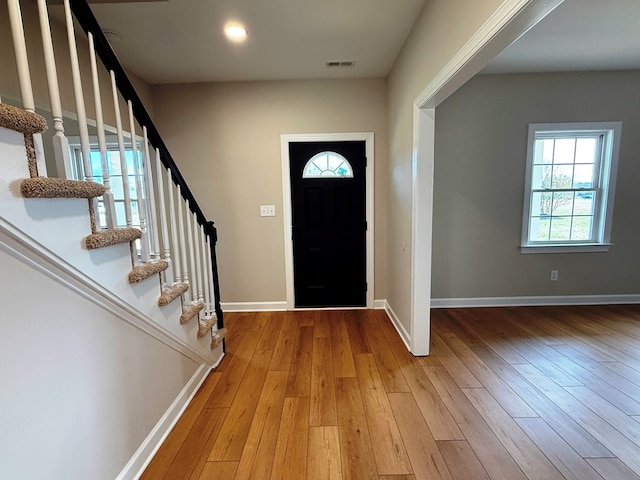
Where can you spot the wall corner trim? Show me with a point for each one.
(404, 335)
(503, 27)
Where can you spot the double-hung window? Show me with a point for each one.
(115, 174)
(570, 186)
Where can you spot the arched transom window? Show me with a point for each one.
(327, 164)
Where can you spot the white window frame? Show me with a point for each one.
(606, 185)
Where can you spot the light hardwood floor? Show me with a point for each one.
(507, 393)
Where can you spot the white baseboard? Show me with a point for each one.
(140, 460)
(404, 335)
(275, 306)
(534, 301)
(379, 304)
(254, 306)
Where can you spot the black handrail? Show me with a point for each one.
(88, 22)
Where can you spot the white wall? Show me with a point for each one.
(481, 135)
(441, 30)
(81, 388)
(226, 141)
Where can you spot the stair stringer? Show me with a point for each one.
(59, 226)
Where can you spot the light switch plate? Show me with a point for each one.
(267, 210)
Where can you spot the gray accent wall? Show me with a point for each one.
(481, 136)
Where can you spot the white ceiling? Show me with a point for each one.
(182, 40)
(579, 35)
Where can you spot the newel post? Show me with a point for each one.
(212, 232)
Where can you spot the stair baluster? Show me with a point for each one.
(85, 147)
(107, 198)
(199, 265)
(183, 248)
(121, 148)
(206, 268)
(169, 273)
(140, 200)
(24, 79)
(193, 287)
(60, 141)
(149, 187)
(174, 230)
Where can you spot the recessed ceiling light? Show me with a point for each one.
(235, 32)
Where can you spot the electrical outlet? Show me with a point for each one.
(554, 275)
(267, 210)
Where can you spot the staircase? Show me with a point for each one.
(114, 225)
(39, 189)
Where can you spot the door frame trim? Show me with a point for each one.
(508, 23)
(366, 137)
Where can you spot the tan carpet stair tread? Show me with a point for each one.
(190, 312)
(217, 337)
(44, 187)
(206, 325)
(169, 294)
(106, 238)
(20, 120)
(146, 270)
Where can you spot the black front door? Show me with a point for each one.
(329, 223)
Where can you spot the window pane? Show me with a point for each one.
(560, 228)
(584, 203)
(312, 170)
(541, 176)
(539, 229)
(130, 164)
(96, 164)
(583, 176)
(541, 203)
(121, 218)
(564, 150)
(562, 203)
(132, 187)
(327, 164)
(547, 151)
(581, 229)
(586, 149)
(114, 162)
(562, 176)
(116, 187)
(135, 217)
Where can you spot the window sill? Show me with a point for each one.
(581, 248)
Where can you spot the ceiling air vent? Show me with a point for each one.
(340, 64)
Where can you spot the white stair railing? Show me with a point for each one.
(172, 225)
